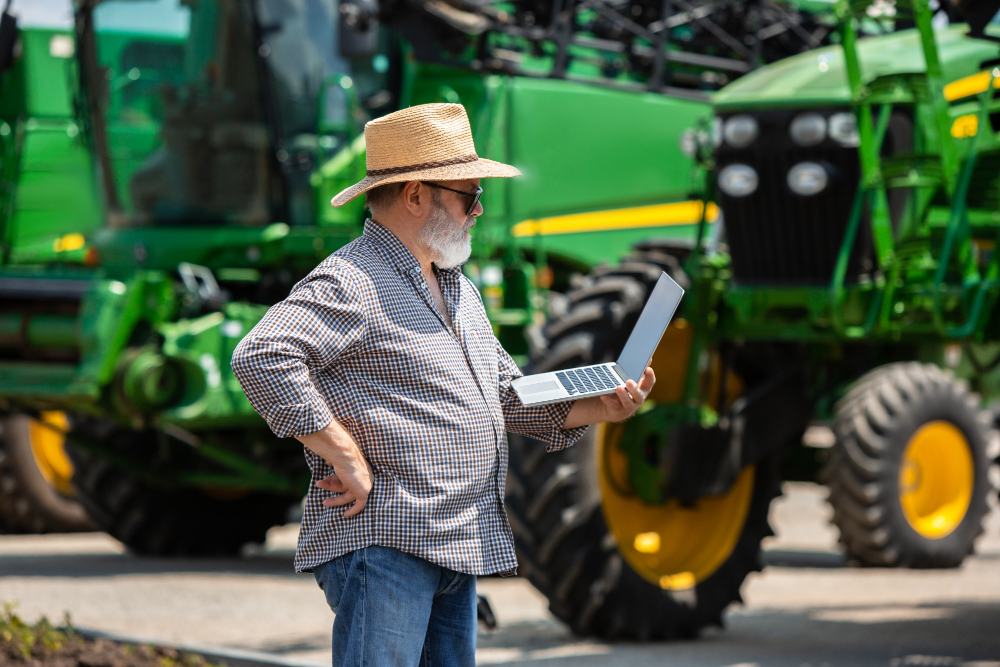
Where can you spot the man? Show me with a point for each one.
(383, 364)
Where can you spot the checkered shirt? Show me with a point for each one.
(360, 340)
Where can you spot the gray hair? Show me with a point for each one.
(380, 198)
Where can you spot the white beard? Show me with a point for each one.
(450, 246)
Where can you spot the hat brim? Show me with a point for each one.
(479, 168)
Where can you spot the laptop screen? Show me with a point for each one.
(649, 328)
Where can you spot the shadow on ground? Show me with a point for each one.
(270, 564)
(787, 558)
(103, 565)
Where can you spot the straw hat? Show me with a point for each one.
(429, 142)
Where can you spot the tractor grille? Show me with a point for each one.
(778, 237)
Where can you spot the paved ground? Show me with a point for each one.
(807, 608)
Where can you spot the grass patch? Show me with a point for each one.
(42, 644)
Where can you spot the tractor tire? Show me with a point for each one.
(157, 521)
(36, 495)
(603, 306)
(908, 473)
(575, 536)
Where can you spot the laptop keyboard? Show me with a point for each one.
(587, 379)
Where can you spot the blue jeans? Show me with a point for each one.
(394, 609)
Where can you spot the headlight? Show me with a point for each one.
(738, 180)
(844, 129)
(807, 179)
(688, 142)
(808, 129)
(740, 131)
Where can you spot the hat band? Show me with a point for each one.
(424, 165)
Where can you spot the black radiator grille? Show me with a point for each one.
(778, 237)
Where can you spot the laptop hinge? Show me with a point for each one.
(621, 373)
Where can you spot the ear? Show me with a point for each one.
(415, 197)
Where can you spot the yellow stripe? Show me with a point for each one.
(658, 215)
(970, 85)
(68, 242)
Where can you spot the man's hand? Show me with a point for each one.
(611, 407)
(353, 476)
(626, 400)
(353, 488)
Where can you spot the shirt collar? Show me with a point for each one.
(397, 252)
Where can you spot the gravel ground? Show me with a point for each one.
(807, 608)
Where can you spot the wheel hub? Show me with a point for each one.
(936, 479)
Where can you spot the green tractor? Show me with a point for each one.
(852, 281)
(166, 172)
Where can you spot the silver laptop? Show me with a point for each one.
(599, 379)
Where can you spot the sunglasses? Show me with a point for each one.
(475, 195)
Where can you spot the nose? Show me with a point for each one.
(478, 211)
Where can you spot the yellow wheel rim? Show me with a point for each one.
(670, 546)
(936, 479)
(48, 449)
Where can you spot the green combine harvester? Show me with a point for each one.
(167, 167)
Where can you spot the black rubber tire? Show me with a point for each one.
(554, 500)
(604, 305)
(152, 520)
(28, 503)
(875, 421)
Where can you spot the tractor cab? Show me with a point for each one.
(218, 112)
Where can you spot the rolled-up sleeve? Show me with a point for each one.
(323, 319)
(542, 422)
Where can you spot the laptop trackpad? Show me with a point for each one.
(538, 387)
